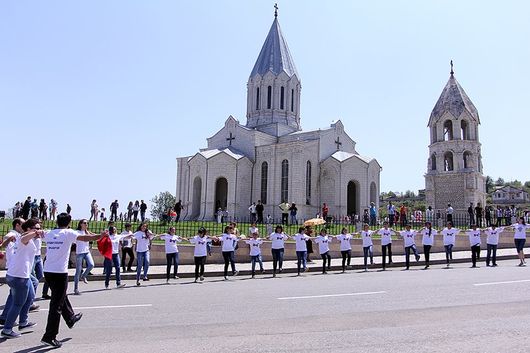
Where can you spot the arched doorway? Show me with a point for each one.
(352, 207)
(221, 194)
(196, 201)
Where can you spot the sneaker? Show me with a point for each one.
(167, 281)
(226, 278)
(12, 334)
(281, 270)
(146, 279)
(273, 275)
(85, 280)
(52, 342)
(121, 285)
(202, 278)
(175, 277)
(29, 324)
(75, 319)
(495, 265)
(417, 258)
(138, 284)
(106, 287)
(195, 280)
(253, 277)
(76, 292)
(426, 267)
(236, 273)
(33, 308)
(46, 297)
(262, 271)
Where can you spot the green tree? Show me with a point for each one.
(499, 182)
(161, 203)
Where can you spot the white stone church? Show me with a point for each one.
(270, 158)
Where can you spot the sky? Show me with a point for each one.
(98, 98)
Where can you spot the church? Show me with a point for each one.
(271, 159)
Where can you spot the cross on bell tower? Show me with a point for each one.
(338, 143)
(229, 139)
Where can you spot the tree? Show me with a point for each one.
(499, 182)
(161, 203)
(489, 184)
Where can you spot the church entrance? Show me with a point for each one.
(221, 194)
(352, 207)
(196, 201)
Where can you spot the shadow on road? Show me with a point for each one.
(40, 348)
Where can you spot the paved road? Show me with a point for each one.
(438, 310)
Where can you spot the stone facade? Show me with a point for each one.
(454, 168)
(270, 158)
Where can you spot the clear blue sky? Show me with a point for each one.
(98, 98)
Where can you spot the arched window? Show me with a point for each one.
(285, 181)
(292, 100)
(479, 163)
(434, 137)
(467, 159)
(448, 161)
(433, 161)
(308, 184)
(269, 97)
(264, 181)
(464, 128)
(257, 98)
(448, 130)
(282, 97)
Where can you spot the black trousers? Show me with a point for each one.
(475, 254)
(491, 250)
(407, 254)
(59, 304)
(427, 253)
(384, 249)
(346, 255)
(199, 266)
(326, 256)
(172, 260)
(228, 256)
(124, 253)
(285, 217)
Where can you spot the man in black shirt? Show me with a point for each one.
(259, 212)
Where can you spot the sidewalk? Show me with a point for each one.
(216, 270)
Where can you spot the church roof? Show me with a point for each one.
(214, 152)
(341, 156)
(274, 55)
(453, 100)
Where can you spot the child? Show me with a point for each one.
(253, 229)
(199, 253)
(386, 243)
(428, 241)
(366, 235)
(255, 252)
(345, 247)
(323, 246)
(492, 241)
(301, 249)
(410, 244)
(449, 236)
(474, 242)
(172, 252)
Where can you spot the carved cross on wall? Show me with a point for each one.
(338, 143)
(229, 139)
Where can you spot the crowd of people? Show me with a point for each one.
(25, 267)
(31, 208)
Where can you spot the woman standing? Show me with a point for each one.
(428, 241)
(345, 247)
(278, 239)
(201, 241)
(114, 260)
(410, 244)
(129, 211)
(127, 248)
(136, 209)
(323, 241)
(229, 241)
(143, 242)
(172, 252)
(449, 236)
(474, 242)
(366, 235)
(520, 239)
(82, 251)
(386, 243)
(492, 241)
(301, 239)
(94, 211)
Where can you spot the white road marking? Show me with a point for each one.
(331, 295)
(109, 307)
(504, 282)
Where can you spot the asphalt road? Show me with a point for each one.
(438, 310)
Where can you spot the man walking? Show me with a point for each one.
(114, 210)
(143, 208)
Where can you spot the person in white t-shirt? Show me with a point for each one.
(278, 239)
(18, 279)
(82, 253)
(201, 243)
(492, 241)
(323, 241)
(172, 252)
(253, 229)
(255, 252)
(58, 244)
(345, 247)
(386, 243)
(143, 238)
(428, 234)
(301, 239)
(127, 247)
(115, 240)
(519, 237)
(409, 243)
(366, 235)
(229, 241)
(449, 238)
(474, 242)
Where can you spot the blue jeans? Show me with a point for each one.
(37, 268)
(9, 300)
(79, 267)
(253, 260)
(142, 260)
(293, 219)
(277, 259)
(107, 264)
(301, 256)
(22, 293)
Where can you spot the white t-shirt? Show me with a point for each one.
(126, 242)
(255, 245)
(278, 240)
(253, 230)
(474, 237)
(142, 241)
(345, 243)
(493, 235)
(229, 242)
(115, 240)
(300, 241)
(323, 243)
(520, 230)
(10, 247)
(408, 237)
(367, 238)
(82, 247)
(386, 235)
(200, 245)
(38, 246)
(21, 262)
(449, 235)
(428, 239)
(58, 244)
(170, 242)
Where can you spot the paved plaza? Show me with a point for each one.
(438, 310)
